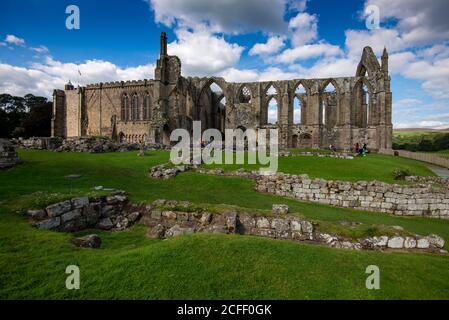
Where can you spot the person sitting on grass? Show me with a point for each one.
(364, 150)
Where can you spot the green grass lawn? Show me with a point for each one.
(372, 167)
(130, 265)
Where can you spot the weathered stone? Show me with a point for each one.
(409, 243)
(396, 243)
(423, 243)
(306, 227)
(263, 223)
(326, 238)
(92, 213)
(205, 218)
(49, 224)
(89, 241)
(105, 224)
(37, 214)
(57, 209)
(157, 232)
(231, 222)
(177, 231)
(436, 241)
(169, 215)
(68, 216)
(80, 202)
(132, 217)
(281, 227)
(280, 208)
(295, 225)
(8, 154)
(122, 223)
(182, 216)
(107, 211)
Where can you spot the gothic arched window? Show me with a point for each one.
(147, 107)
(135, 108)
(125, 108)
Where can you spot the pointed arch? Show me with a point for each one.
(244, 94)
(299, 84)
(368, 63)
(363, 103)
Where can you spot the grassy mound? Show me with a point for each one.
(129, 265)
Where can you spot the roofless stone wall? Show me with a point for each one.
(401, 200)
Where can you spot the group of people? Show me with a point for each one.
(361, 151)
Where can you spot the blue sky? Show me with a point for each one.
(240, 40)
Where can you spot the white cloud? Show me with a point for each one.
(297, 5)
(273, 45)
(419, 22)
(239, 75)
(230, 16)
(42, 78)
(40, 49)
(12, 39)
(308, 51)
(303, 29)
(377, 39)
(203, 53)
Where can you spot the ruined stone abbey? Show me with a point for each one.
(312, 113)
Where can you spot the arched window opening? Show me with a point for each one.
(326, 112)
(245, 95)
(296, 111)
(125, 108)
(273, 111)
(147, 107)
(300, 89)
(135, 108)
(215, 88)
(271, 90)
(365, 105)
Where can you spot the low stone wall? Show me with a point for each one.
(166, 171)
(106, 213)
(336, 155)
(84, 144)
(8, 154)
(166, 219)
(40, 143)
(401, 200)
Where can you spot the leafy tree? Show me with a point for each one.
(24, 116)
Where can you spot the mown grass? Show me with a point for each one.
(372, 167)
(129, 265)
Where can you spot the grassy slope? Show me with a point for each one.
(373, 167)
(199, 266)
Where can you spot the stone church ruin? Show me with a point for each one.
(310, 113)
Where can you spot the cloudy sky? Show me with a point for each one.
(239, 40)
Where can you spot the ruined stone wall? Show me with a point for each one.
(73, 109)
(402, 200)
(342, 117)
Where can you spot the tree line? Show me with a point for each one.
(27, 116)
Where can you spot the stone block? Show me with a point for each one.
(57, 209)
